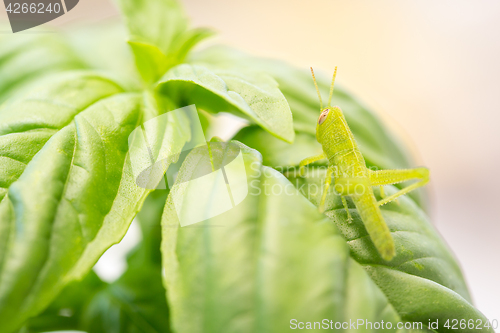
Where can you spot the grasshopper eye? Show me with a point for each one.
(323, 116)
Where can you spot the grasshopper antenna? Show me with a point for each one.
(317, 89)
(331, 87)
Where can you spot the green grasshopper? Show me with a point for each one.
(353, 178)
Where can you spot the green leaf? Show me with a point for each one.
(159, 35)
(250, 94)
(68, 188)
(27, 123)
(101, 47)
(150, 61)
(25, 58)
(271, 259)
(156, 22)
(416, 298)
(188, 40)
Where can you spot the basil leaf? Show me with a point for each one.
(159, 35)
(253, 95)
(257, 267)
(27, 123)
(156, 22)
(150, 61)
(69, 191)
(26, 58)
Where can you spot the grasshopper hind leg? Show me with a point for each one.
(387, 177)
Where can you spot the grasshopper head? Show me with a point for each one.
(328, 113)
(325, 121)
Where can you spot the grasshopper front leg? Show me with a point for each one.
(309, 160)
(388, 177)
(328, 182)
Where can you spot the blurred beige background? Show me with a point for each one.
(431, 68)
